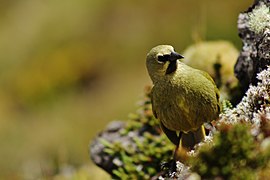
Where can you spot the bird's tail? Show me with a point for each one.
(187, 143)
(190, 139)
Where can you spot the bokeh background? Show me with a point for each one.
(67, 68)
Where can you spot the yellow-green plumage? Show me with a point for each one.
(183, 98)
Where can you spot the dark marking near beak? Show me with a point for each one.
(172, 67)
(173, 62)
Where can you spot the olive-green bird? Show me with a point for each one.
(183, 98)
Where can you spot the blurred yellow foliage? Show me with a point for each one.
(206, 55)
(62, 69)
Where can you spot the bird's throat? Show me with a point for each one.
(172, 67)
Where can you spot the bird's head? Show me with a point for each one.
(161, 61)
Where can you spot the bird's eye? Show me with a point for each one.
(164, 58)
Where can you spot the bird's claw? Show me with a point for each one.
(169, 167)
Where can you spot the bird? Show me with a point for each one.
(183, 98)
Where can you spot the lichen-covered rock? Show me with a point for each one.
(255, 103)
(133, 149)
(98, 155)
(254, 30)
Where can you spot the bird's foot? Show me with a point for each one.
(169, 167)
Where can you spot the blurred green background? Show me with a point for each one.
(69, 67)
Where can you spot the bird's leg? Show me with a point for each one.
(176, 154)
(171, 165)
(178, 147)
(179, 152)
(187, 141)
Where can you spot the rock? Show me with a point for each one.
(254, 30)
(97, 154)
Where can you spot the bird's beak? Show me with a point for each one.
(175, 56)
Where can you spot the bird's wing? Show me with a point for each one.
(172, 135)
(205, 74)
(153, 107)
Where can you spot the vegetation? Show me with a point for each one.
(141, 157)
(234, 154)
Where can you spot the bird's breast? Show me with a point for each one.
(183, 104)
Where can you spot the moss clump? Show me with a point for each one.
(235, 154)
(141, 161)
(140, 156)
(226, 106)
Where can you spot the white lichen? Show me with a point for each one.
(254, 104)
(259, 18)
(182, 171)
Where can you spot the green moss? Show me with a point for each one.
(235, 154)
(149, 147)
(225, 106)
